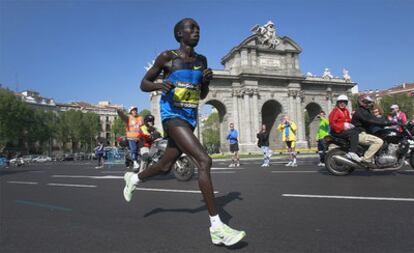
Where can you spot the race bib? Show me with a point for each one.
(186, 95)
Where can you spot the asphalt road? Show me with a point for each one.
(73, 207)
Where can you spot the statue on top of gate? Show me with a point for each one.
(266, 34)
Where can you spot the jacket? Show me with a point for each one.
(291, 130)
(363, 119)
(337, 119)
(323, 129)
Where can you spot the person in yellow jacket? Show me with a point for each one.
(133, 132)
(288, 129)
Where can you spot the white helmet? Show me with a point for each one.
(342, 98)
(132, 108)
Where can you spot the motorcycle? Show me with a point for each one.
(391, 157)
(183, 169)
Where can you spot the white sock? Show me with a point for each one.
(135, 178)
(215, 221)
(294, 160)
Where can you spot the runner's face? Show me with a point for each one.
(190, 33)
(134, 113)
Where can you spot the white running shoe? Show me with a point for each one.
(232, 165)
(294, 164)
(226, 235)
(353, 156)
(237, 164)
(289, 164)
(136, 165)
(129, 186)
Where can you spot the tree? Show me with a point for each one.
(90, 128)
(13, 113)
(118, 128)
(211, 132)
(144, 112)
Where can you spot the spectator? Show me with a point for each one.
(288, 129)
(99, 152)
(263, 143)
(133, 132)
(322, 132)
(397, 116)
(234, 146)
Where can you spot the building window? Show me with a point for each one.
(107, 118)
(108, 127)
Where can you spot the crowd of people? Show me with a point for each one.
(359, 128)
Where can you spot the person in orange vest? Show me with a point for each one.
(133, 132)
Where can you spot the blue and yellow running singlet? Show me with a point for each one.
(182, 101)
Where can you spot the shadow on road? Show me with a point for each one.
(5, 172)
(220, 203)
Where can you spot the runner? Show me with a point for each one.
(233, 138)
(186, 81)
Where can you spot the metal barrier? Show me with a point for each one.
(114, 156)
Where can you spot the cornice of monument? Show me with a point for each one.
(260, 48)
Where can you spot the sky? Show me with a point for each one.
(94, 50)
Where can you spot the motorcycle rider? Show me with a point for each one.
(341, 126)
(148, 134)
(364, 120)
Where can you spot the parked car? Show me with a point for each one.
(29, 158)
(68, 157)
(42, 159)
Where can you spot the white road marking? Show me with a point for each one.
(22, 182)
(168, 190)
(295, 171)
(347, 197)
(228, 168)
(73, 185)
(219, 172)
(91, 177)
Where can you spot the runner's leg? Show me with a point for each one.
(190, 145)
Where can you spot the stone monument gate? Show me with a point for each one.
(262, 81)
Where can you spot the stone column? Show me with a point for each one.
(256, 120)
(329, 100)
(247, 121)
(296, 114)
(300, 118)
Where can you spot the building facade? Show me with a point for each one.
(106, 111)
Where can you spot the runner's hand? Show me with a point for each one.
(207, 75)
(166, 86)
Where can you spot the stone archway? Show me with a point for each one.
(271, 116)
(312, 123)
(222, 123)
